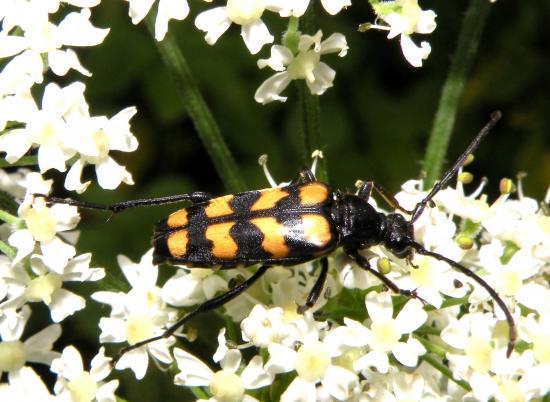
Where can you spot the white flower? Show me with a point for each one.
(225, 385)
(36, 348)
(42, 224)
(44, 38)
(137, 315)
(189, 287)
(430, 277)
(75, 384)
(507, 278)
(314, 362)
(26, 385)
(93, 138)
(537, 332)
(263, 327)
(46, 128)
(63, 128)
(246, 13)
(167, 10)
(306, 65)
(46, 284)
(405, 17)
(385, 333)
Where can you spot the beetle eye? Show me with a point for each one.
(401, 251)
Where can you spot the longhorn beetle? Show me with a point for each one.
(289, 225)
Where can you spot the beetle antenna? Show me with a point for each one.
(495, 117)
(512, 330)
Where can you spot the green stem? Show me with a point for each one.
(291, 37)
(205, 124)
(199, 393)
(231, 329)
(7, 250)
(310, 128)
(8, 218)
(432, 347)
(468, 41)
(445, 371)
(310, 109)
(23, 161)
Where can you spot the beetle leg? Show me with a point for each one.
(304, 177)
(363, 263)
(196, 197)
(365, 191)
(208, 305)
(316, 289)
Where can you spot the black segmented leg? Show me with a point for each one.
(365, 191)
(208, 305)
(305, 176)
(364, 264)
(196, 197)
(316, 289)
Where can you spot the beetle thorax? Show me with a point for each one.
(360, 224)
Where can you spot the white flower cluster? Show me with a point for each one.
(294, 62)
(38, 239)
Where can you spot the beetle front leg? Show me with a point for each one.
(363, 263)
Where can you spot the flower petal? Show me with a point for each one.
(413, 53)
(256, 35)
(333, 7)
(77, 30)
(61, 61)
(110, 174)
(323, 79)
(139, 9)
(38, 347)
(193, 372)
(167, 10)
(64, 304)
(379, 306)
(254, 376)
(270, 89)
(335, 43)
(411, 316)
(214, 22)
(72, 180)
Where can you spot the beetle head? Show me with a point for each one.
(399, 236)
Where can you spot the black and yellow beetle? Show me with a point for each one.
(300, 222)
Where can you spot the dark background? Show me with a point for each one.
(375, 120)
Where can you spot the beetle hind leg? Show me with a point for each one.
(208, 305)
(317, 288)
